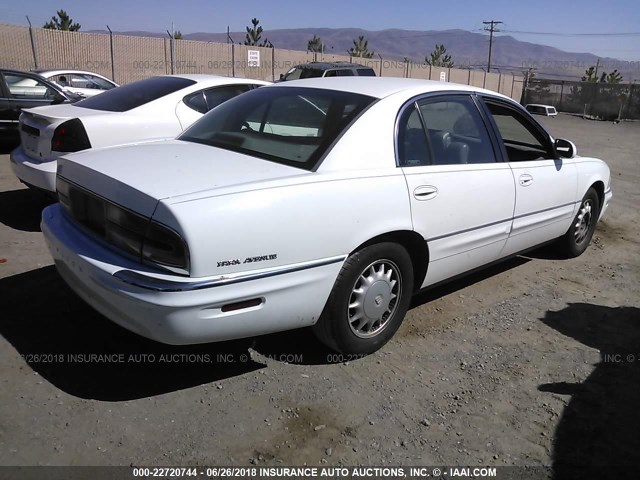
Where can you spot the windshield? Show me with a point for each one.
(132, 95)
(293, 126)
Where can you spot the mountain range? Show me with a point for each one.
(466, 49)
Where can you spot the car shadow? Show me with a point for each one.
(431, 294)
(22, 209)
(82, 353)
(7, 145)
(597, 436)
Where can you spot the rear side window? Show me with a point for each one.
(136, 94)
(343, 72)
(292, 126)
(206, 100)
(366, 72)
(455, 130)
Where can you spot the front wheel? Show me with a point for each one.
(577, 238)
(369, 300)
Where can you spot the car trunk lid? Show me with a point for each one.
(37, 126)
(137, 177)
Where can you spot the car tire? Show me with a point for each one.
(369, 300)
(577, 238)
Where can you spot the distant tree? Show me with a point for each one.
(62, 22)
(613, 77)
(177, 35)
(591, 76)
(439, 57)
(360, 48)
(315, 45)
(254, 34)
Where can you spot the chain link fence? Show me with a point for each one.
(126, 59)
(603, 101)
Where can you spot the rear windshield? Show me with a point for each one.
(300, 73)
(132, 95)
(292, 126)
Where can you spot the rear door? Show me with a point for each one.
(462, 198)
(546, 186)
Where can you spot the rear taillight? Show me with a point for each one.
(137, 235)
(70, 136)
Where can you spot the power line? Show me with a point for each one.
(491, 29)
(564, 34)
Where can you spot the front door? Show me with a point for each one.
(546, 186)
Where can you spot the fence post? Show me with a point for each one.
(233, 59)
(380, 64)
(631, 91)
(273, 64)
(561, 95)
(33, 45)
(113, 65)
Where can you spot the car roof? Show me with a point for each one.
(381, 87)
(327, 65)
(205, 77)
(59, 71)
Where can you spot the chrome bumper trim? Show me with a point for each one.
(161, 285)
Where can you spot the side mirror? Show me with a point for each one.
(565, 148)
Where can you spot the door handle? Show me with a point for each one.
(425, 192)
(526, 180)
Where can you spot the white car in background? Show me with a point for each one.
(157, 107)
(85, 84)
(324, 202)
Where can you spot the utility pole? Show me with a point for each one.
(491, 29)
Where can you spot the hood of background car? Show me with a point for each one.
(137, 176)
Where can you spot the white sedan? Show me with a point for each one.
(80, 82)
(157, 107)
(323, 203)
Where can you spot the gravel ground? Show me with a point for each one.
(534, 362)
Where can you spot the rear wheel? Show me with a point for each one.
(369, 300)
(577, 238)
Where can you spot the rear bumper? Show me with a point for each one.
(289, 300)
(38, 174)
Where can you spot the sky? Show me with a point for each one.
(189, 16)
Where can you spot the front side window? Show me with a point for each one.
(98, 83)
(293, 126)
(135, 94)
(456, 131)
(522, 140)
(28, 88)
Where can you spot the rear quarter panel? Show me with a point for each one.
(297, 222)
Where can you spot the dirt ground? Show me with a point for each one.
(534, 362)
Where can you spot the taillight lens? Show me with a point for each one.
(136, 235)
(163, 246)
(70, 136)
